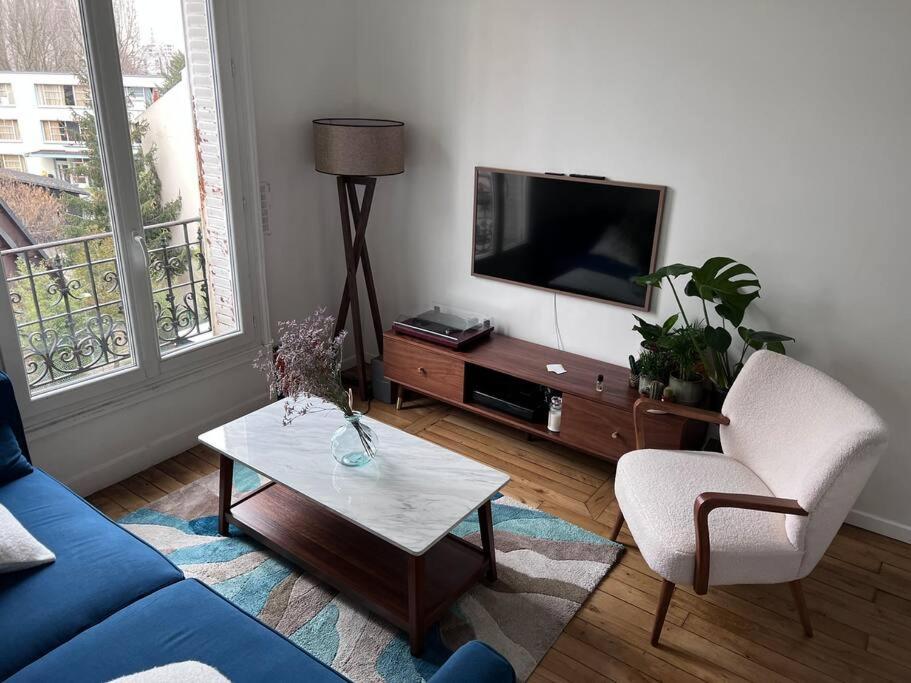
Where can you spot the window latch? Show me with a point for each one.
(141, 241)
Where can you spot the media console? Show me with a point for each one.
(597, 423)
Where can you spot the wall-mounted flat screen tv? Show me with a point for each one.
(580, 236)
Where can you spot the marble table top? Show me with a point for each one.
(411, 495)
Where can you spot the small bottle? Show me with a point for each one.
(599, 384)
(555, 415)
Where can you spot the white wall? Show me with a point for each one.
(781, 129)
(303, 68)
(133, 434)
(171, 132)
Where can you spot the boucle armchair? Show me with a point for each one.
(798, 448)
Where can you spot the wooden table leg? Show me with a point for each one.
(225, 486)
(485, 517)
(416, 603)
(399, 397)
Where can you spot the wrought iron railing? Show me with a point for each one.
(68, 305)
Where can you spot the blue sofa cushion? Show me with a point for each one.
(12, 463)
(9, 412)
(185, 621)
(477, 662)
(100, 568)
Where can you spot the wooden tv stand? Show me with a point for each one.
(600, 424)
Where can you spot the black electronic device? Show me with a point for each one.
(580, 235)
(511, 395)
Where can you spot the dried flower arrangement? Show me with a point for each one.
(307, 364)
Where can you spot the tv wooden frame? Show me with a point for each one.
(662, 192)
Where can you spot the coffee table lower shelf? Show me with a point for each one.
(412, 592)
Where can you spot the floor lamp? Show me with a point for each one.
(357, 151)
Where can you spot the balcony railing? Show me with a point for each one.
(68, 305)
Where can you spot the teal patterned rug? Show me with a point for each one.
(547, 567)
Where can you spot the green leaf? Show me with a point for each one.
(721, 276)
(733, 306)
(669, 323)
(654, 279)
(717, 339)
(768, 337)
(773, 341)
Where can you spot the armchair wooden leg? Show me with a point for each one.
(797, 592)
(617, 526)
(664, 601)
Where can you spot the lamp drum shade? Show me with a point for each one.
(359, 147)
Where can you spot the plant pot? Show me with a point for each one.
(354, 443)
(717, 397)
(644, 382)
(651, 387)
(688, 393)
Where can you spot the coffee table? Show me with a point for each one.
(378, 533)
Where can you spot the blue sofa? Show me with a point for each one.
(111, 605)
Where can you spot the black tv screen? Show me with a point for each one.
(573, 235)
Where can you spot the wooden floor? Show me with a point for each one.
(859, 595)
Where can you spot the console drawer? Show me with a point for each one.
(423, 370)
(596, 427)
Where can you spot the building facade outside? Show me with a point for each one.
(38, 131)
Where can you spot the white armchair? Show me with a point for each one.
(798, 448)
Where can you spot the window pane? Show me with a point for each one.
(57, 249)
(9, 130)
(50, 95)
(13, 162)
(171, 92)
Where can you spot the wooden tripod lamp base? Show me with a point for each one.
(355, 254)
(357, 151)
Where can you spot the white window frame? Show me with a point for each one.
(41, 90)
(11, 96)
(20, 159)
(16, 131)
(151, 372)
(62, 125)
(64, 169)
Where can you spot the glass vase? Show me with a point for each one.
(354, 443)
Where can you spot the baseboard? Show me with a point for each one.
(880, 525)
(154, 452)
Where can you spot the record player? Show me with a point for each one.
(445, 326)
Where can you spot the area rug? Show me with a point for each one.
(547, 567)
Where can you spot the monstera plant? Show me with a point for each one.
(728, 288)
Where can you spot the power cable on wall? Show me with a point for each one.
(557, 332)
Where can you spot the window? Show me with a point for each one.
(76, 95)
(50, 95)
(137, 279)
(71, 171)
(57, 95)
(60, 131)
(13, 162)
(138, 97)
(6, 95)
(9, 130)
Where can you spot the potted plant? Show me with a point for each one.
(654, 366)
(653, 335)
(684, 383)
(307, 364)
(729, 287)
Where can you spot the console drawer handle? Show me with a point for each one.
(422, 371)
(615, 435)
